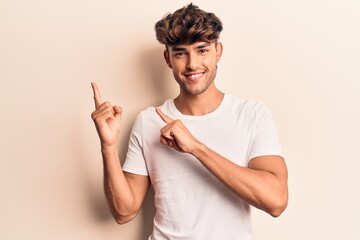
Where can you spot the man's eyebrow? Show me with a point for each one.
(204, 45)
(178, 49)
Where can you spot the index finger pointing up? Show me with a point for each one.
(163, 116)
(97, 97)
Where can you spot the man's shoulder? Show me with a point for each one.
(242, 104)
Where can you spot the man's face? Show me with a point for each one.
(194, 65)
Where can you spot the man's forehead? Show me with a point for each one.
(191, 45)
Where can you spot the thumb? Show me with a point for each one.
(117, 110)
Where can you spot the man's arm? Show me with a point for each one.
(263, 184)
(125, 192)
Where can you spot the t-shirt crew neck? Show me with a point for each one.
(175, 111)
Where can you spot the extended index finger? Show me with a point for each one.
(163, 116)
(97, 97)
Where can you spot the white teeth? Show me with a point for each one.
(195, 76)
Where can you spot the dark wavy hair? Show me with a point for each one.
(188, 25)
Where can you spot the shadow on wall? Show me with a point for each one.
(159, 79)
(159, 86)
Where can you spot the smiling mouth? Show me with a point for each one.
(194, 76)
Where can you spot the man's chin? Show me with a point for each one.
(193, 92)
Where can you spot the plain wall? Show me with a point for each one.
(301, 58)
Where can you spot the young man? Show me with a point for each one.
(208, 155)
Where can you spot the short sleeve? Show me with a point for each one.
(265, 139)
(135, 160)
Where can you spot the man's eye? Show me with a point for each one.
(180, 54)
(203, 51)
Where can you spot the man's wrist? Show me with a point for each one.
(109, 149)
(198, 150)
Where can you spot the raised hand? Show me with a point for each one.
(176, 135)
(107, 119)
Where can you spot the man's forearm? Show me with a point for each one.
(262, 189)
(117, 189)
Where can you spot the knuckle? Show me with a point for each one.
(95, 116)
(105, 108)
(105, 105)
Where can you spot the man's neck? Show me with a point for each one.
(201, 104)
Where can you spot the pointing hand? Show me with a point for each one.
(176, 135)
(107, 119)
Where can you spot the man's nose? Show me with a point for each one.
(193, 62)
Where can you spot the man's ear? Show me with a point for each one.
(167, 58)
(219, 50)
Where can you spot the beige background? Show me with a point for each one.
(301, 58)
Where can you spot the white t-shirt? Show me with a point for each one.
(190, 202)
